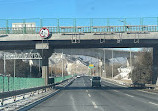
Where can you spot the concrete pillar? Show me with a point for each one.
(45, 54)
(45, 69)
(155, 65)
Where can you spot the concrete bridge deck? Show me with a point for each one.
(81, 33)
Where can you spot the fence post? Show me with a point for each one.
(58, 25)
(8, 83)
(157, 25)
(91, 24)
(24, 27)
(108, 22)
(7, 26)
(41, 23)
(74, 24)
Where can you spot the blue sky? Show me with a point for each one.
(78, 8)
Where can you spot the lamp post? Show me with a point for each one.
(62, 64)
(104, 64)
(112, 64)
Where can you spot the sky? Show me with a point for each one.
(78, 8)
(21, 9)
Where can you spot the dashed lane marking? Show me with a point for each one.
(153, 103)
(89, 95)
(129, 95)
(95, 106)
(115, 90)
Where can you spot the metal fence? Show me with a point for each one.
(60, 79)
(72, 25)
(17, 83)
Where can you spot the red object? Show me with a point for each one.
(44, 36)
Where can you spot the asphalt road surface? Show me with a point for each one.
(80, 96)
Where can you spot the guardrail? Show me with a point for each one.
(81, 29)
(64, 25)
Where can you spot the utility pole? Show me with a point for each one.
(62, 64)
(4, 71)
(39, 67)
(104, 64)
(14, 68)
(112, 64)
(98, 66)
(131, 62)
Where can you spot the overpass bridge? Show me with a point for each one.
(80, 33)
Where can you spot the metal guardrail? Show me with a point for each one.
(86, 29)
(83, 29)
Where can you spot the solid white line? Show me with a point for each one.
(147, 92)
(89, 95)
(95, 106)
(153, 103)
(86, 90)
(129, 95)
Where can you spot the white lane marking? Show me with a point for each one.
(86, 90)
(129, 95)
(115, 90)
(89, 95)
(148, 92)
(95, 106)
(153, 103)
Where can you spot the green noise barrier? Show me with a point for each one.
(18, 83)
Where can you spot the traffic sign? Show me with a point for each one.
(91, 66)
(44, 32)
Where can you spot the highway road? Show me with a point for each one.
(80, 96)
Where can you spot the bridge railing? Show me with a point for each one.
(83, 29)
(79, 25)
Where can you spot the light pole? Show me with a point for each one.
(30, 70)
(14, 68)
(14, 75)
(30, 63)
(4, 71)
(104, 64)
(62, 65)
(112, 64)
(39, 67)
(131, 62)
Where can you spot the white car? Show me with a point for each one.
(78, 76)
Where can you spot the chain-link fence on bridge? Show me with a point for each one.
(73, 25)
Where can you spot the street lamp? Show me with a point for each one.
(112, 64)
(62, 64)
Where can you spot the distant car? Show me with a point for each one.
(78, 76)
(96, 81)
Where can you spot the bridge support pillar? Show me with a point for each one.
(45, 64)
(155, 66)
